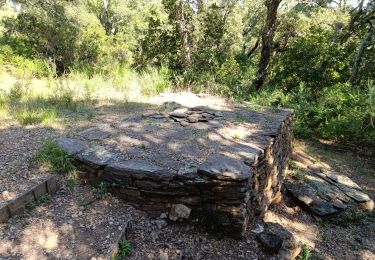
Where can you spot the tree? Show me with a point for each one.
(267, 40)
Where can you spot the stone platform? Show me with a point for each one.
(226, 164)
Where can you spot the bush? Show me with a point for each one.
(340, 112)
(54, 158)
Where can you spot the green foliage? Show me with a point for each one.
(103, 188)
(124, 250)
(39, 201)
(305, 254)
(51, 155)
(337, 112)
(349, 218)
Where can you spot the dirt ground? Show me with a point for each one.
(68, 218)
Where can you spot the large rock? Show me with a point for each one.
(277, 240)
(96, 157)
(224, 167)
(71, 146)
(179, 211)
(326, 192)
(139, 169)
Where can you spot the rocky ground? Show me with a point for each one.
(78, 220)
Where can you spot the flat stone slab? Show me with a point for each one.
(96, 156)
(327, 192)
(224, 167)
(139, 169)
(95, 134)
(71, 146)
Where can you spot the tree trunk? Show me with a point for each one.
(357, 61)
(267, 39)
(184, 33)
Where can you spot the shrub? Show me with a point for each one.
(51, 155)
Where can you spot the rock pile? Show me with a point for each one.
(191, 172)
(327, 192)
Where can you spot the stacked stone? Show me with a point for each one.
(270, 168)
(223, 191)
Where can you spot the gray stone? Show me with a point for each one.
(302, 191)
(159, 116)
(290, 247)
(188, 168)
(96, 157)
(271, 242)
(343, 180)
(179, 211)
(193, 118)
(184, 123)
(323, 208)
(95, 134)
(224, 167)
(71, 146)
(139, 169)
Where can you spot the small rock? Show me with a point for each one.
(193, 119)
(184, 123)
(163, 215)
(161, 223)
(179, 211)
(271, 242)
(258, 229)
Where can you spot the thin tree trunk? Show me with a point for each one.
(267, 39)
(184, 33)
(357, 61)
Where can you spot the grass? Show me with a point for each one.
(124, 250)
(54, 158)
(349, 218)
(38, 201)
(103, 188)
(305, 254)
(49, 100)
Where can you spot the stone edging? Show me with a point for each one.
(17, 205)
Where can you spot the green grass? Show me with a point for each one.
(124, 250)
(39, 201)
(103, 188)
(305, 254)
(52, 156)
(349, 218)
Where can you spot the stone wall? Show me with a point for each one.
(223, 192)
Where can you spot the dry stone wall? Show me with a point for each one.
(222, 191)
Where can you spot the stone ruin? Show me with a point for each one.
(220, 166)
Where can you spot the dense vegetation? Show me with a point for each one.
(316, 56)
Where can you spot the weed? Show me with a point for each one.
(299, 174)
(124, 250)
(38, 201)
(347, 218)
(71, 183)
(84, 203)
(103, 189)
(24, 222)
(17, 91)
(143, 146)
(305, 253)
(54, 158)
